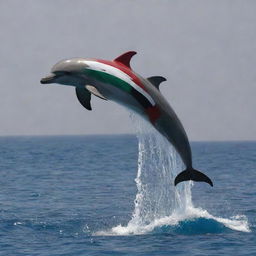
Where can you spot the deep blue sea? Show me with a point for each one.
(114, 195)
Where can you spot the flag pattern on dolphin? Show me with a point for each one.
(115, 80)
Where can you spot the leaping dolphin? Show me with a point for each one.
(116, 81)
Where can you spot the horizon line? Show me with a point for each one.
(115, 134)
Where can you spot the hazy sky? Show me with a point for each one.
(206, 49)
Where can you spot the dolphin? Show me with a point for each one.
(116, 81)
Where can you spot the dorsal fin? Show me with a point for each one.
(156, 80)
(125, 58)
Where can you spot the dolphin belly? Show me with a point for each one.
(121, 89)
(120, 96)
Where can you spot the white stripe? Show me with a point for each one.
(97, 66)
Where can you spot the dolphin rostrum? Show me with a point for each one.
(116, 81)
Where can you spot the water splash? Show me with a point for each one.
(158, 165)
(159, 206)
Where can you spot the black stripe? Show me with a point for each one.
(141, 98)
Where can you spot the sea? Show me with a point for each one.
(114, 195)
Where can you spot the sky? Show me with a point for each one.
(205, 48)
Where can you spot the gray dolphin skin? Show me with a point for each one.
(116, 81)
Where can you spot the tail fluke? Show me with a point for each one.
(192, 174)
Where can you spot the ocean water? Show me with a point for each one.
(114, 195)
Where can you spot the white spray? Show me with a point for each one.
(158, 165)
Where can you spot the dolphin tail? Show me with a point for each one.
(192, 174)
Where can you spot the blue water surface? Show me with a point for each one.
(58, 192)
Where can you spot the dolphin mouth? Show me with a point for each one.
(48, 79)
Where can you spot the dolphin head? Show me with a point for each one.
(67, 72)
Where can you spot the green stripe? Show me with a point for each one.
(109, 79)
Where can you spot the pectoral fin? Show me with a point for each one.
(84, 97)
(95, 91)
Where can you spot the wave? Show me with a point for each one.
(194, 221)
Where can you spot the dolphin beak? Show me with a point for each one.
(48, 79)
